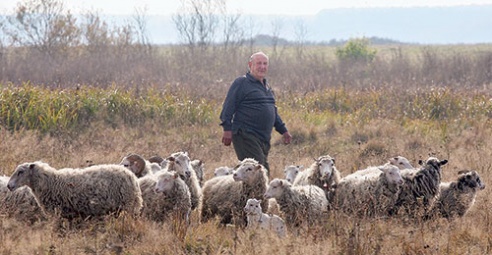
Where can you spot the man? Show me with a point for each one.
(249, 113)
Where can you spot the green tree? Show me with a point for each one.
(356, 50)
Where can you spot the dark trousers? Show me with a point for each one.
(247, 145)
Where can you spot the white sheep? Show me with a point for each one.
(401, 162)
(420, 188)
(322, 173)
(223, 170)
(369, 194)
(179, 162)
(258, 219)
(225, 196)
(457, 197)
(94, 191)
(139, 166)
(20, 204)
(165, 194)
(291, 172)
(300, 205)
(199, 168)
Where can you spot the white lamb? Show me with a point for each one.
(300, 205)
(226, 196)
(258, 219)
(291, 172)
(139, 166)
(457, 197)
(223, 170)
(369, 194)
(94, 191)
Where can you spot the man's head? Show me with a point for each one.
(258, 65)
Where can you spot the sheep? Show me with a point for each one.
(256, 218)
(223, 170)
(199, 168)
(225, 196)
(94, 191)
(322, 173)
(401, 162)
(300, 205)
(420, 188)
(291, 172)
(369, 194)
(20, 204)
(139, 166)
(180, 162)
(164, 194)
(457, 197)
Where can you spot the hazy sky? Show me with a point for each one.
(289, 7)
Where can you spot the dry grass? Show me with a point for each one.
(358, 128)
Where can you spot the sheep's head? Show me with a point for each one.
(223, 170)
(290, 172)
(180, 162)
(165, 181)
(326, 166)
(156, 159)
(253, 206)
(134, 163)
(248, 172)
(392, 174)
(400, 162)
(276, 188)
(23, 174)
(470, 179)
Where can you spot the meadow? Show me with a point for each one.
(361, 115)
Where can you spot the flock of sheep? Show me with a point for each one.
(162, 189)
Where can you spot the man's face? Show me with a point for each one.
(258, 67)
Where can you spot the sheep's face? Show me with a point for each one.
(134, 163)
(223, 170)
(392, 174)
(165, 182)
(23, 174)
(247, 172)
(181, 163)
(400, 162)
(326, 167)
(276, 188)
(253, 206)
(470, 179)
(290, 172)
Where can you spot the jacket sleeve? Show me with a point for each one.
(230, 104)
(279, 124)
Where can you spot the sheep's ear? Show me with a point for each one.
(259, 201)
(421, 162)
(333, 159)
(258, 167)
(171, 158)
(443, 162)
(32, 166)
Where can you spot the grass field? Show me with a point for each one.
(68, 127)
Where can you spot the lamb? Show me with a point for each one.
(20, 204)
(369, 194)
(223, 170)
(225, 196)
(420, 188)
(165, 194)
(256, 218)
(180, 162)
(300, 205)
(457, 197)
(199, 168)
(94, 191)
(139, 166)
(291, 172)
(322, 173)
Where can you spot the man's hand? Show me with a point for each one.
(227, 138)
(287, 137)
